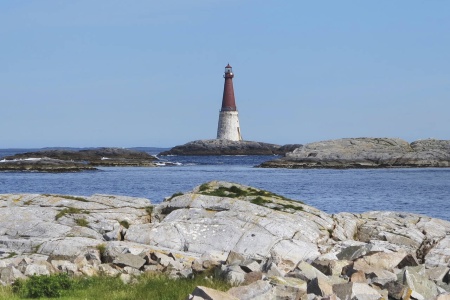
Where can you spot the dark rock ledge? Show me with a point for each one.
(71, 161)
(366, 153)
(226, 147)
(43, 165)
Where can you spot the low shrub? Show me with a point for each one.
(125, 224)
(203, 187)
(43, 286)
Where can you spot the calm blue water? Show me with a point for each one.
(424, 191)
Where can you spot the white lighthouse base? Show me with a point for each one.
(229, 128)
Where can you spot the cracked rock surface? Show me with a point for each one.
(270, 247)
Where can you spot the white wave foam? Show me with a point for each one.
(21, 159)
(168, 163)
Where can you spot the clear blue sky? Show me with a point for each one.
(149, 73)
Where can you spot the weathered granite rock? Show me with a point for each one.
(366, 153)
(226, 147)
(422, 289)
(443, 297)
(282, 249)
(258, 290)
(10, 274)
(356, 291)
(72, 161)
(217, 223)
(439, 255)
(130, 260)
(47, 224)
(320, 287)
(438, 273)
(206, 293)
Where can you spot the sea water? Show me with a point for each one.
(423, 191)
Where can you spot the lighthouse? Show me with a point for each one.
(228, 128)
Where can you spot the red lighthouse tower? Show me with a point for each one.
(228, 101)
(228, 128)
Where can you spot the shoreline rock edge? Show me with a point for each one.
(267, 245)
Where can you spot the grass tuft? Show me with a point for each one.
(82, 222)
(236, 192)
(67, 197)
(125, 224)
(68, 210)
(276, 205)
(102, 249)
(260, 201)
(175, 195)
(10, 255)
(203, 187)
(149, 210)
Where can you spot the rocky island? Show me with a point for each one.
(366, 153)
(44, 164)
(228, 147)
(268, 246)
(72, 161)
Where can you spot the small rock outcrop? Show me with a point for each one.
(227, 147)
(267, 246)
(71, 160)
(43, 165)
(366, 153)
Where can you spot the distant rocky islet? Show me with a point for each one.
(74, 161)
(228, 147)
(366, 153)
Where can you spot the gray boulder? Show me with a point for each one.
(356, 291)
(130, 260)
(261, 290)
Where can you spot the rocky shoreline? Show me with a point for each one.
(226, 147)
(270, 247)
(366, 153)
(74, 161)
